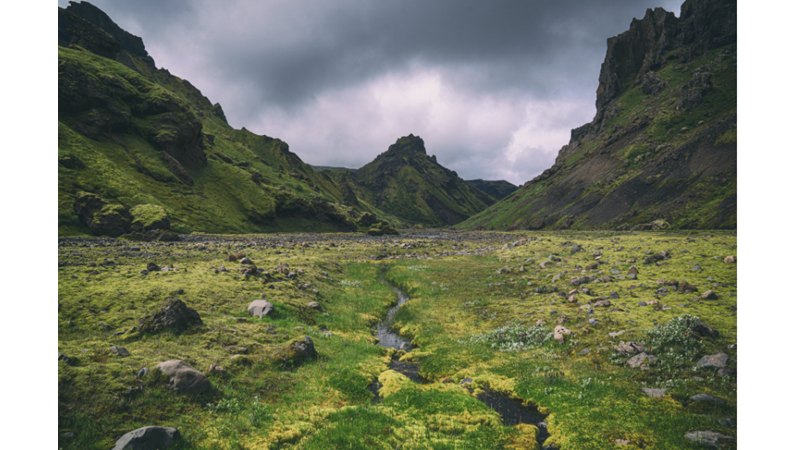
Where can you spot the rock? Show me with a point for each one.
(175, 315)
(65, 358)
(149, 217)
(654, 393)
(148, 438)
(230, 258)
(613, 295)
(709, 295)
(575, 249)
(641, 358)
(448, 380)
(715, 361)
(616, 333)
(602, 304)
(503, 270)
(466, 380)
(102, 217)
(260, 308)
(303, 349)
(686, 287)
(729, 259)
(629, 348)
(246, 261)
(314, 305)
(215, 369)
(559, 332)
(593, 322)
(641, 303)
(142, 372)
(572, 298)
(248, 270)
(119, 351)
(153, 267)
(633, 271)
(652, 302)
(704, 330)
(562, 319)
(705, 398)
(591, 266)
(585, 351)
(184, 378)
(707, 437)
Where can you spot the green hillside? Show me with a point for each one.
(661, 151)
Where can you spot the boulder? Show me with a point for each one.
(705, 398)
(633, 270)
(149, 217)
(642, 358)
(260, 308)
(153, 267)
(709, 295)
(707, 437)
(184, 378)
(715, 361)
(704, 330)
(119, 351)
(729, 259)
(314, 305)
(654, 393)
(629, 348)
(560, 332)
(297, 351)
(686, 287)
(602, 304)
(148, 438)
(174, 315)
(102, 217)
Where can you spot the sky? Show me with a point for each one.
(493, 88)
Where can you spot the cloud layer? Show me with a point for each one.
(493, 88)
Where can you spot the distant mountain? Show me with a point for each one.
(498, 190)
(407, 183)
(139, 147)
(321, 169)
(661, 150)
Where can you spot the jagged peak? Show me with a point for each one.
(407, 144)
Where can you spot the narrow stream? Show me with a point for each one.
(387, 337)
(511, 411)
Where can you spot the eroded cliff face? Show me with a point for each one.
(662, 144)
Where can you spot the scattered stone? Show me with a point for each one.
(215, 369)
(709, 295)
(148, 438)
(629, 348)
(621, 441)
(247, 261)
(641, 303)
(642, 358)
(540, 322)
(260, 308)
(572, 298)
(448, 380)
(726, 422)
(706, 437)
(602, 304)
(652, 302)
(304, 347)
(559, 332)
(120, 351)
(613, 295)
(65, 358)
(153, 267)
(696, 267)
(704, 330)
(686, 287)
(593, 322)
(654, 393)
(715, 361)
(585, 351)
(175, 315)
(729, 259)
(184, 378)
(705, 398)
(314, 305)
(633, 270)
(142, 372)
(466, 380)
(616, 333)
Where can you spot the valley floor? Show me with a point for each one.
(480, 320)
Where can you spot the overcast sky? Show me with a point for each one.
(493, 88)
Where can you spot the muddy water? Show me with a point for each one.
(389, 338)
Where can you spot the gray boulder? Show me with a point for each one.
(642, 358)
(174, 315)
(260, 308)
(706, 437)
(715, 361)
(120, 351)
(629, 348)
(654, 393)
(184, 378)
(148, 438)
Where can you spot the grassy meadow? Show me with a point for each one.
(468, 317)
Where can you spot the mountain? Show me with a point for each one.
(411, 185)
(661, 149)
(139, 148)
(498, 189)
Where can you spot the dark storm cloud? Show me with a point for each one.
(297, 69)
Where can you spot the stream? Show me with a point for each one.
(511, 411)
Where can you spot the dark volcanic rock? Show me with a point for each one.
(148, 438)
(102, 217)
(175, 316)
(73, 30)
(184, 378)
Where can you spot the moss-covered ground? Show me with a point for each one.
(590, 398)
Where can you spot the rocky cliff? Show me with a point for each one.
(662, 145)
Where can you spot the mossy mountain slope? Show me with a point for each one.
(497, 189)
(662, 146)
(407, 182)
(136, 135)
